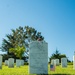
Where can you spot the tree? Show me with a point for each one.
(57, 55)
(20, 37)
(18, 51)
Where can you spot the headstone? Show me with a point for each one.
(10, 62)
(6, 62)
(53, 62)
(22, 62)
(18, 62)
(0, 62)
(74, 61)
(64, 62)
(38, 57)
(57, 62)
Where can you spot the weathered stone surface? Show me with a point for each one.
(64, 62)
(38, 57)
(10, 62)
(0, 62)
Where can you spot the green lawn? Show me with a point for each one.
(59, 70)
(23, 70)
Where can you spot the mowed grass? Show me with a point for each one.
(23, 70)
(62, 71)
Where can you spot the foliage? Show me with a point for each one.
(18, 51)
(57, 55)
(20, 37)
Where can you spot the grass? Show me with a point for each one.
(59, 70)
(23, 70)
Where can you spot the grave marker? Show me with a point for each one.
(10, 62)
(64, 62)
(18, 62)
(38, 57)
(57, 62)
(0, 62)
(74, 60)
(6, 62)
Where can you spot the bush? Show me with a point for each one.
(26, 63)
(71, 63)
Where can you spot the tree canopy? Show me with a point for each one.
(18, 51)
(20, 37)
(57, 55)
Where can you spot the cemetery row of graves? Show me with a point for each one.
(55, 62)
(38, 61)
(10, 62)
(60, 68)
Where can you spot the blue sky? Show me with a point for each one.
(55, 19)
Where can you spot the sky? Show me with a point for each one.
(55, 19)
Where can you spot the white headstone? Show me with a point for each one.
(57, 62)
(74, 61)
(10, 62)
(18, 62)
(53, 62)
(6, 62)
(38, 57)
(64, 62)
(0, 62)
(22, 62)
